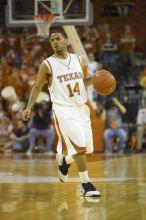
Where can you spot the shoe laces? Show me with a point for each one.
(89, 186)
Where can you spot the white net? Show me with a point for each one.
(43, 23)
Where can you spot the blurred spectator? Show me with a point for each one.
(26, 59)
(141, 127)
(40, 125)
(127, 40)
(31, 78)
(6, 75)
(5, 131)
(94, 66)
(143, 85)
(109, 53)
(14, 52)
(127, 48)
(102, 31)
(2, 112)
(14, 41)
(12, 104)
(16, 109)
(3, 44)
(20, 137)
(12, 77)
(89, 40)
(114, 126)
(37, 48)
(1, 78)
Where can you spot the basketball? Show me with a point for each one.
(104, 83)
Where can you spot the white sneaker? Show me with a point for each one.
(29, 153)
(89, 190)
(89, 202)
(49, 153)
(63, 167)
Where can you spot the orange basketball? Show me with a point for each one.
(104, 82)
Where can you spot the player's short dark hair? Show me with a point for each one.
(58, 30)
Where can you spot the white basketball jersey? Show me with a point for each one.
(67, 88)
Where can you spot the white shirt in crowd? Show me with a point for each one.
(141, 117)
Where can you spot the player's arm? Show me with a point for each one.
(42, 78)
(88, 81)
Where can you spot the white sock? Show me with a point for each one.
(69, 159)
(84, 177)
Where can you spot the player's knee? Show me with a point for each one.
(89, 157)
(89, 151)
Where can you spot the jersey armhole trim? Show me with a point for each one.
(80, 63)
(49, 65)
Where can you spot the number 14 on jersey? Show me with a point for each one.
(74, 89)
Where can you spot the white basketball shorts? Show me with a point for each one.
(73, 127)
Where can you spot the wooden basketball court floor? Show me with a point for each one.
(30, 189)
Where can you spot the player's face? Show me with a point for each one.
(58, 41)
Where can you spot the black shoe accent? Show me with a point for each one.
(88, 187)
(64, 167)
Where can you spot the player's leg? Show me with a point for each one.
(63, 162)
(72, 131)
(62, 167)
(82, 136)
(74, 142)
(88, 189)
(71, 139)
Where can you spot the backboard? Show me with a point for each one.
(19, 13)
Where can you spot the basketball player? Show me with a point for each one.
(64, 75)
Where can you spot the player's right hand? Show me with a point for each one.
(26, 115)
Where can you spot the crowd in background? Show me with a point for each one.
(21, 53)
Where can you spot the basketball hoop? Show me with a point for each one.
(43, 23)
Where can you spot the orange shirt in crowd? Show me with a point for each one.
(11, 78)
(15, 42)
(25, 57)
(127, 42)
(102, 37)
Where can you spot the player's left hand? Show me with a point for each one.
(26, 114)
